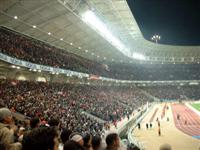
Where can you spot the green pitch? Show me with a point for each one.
(196, 106)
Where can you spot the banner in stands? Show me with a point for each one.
(33, 66)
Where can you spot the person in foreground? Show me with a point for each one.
(165, 147)
(7, 130)
(42, 138)
(112, 141)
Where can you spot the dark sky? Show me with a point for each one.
(177, 21)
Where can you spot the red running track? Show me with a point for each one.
(192, 127)
(153, 116)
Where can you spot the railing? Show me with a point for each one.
(33, 66)
(130, 132)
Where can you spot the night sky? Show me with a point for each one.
(177, 21)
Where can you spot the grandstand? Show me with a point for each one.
(85, 75)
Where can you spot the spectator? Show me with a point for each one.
(165, 147)
(65, 134)
(87, 142)
(21, 133)
(2, 146)
(71, 145)
(112, 141)
(96, 142)
(78, 139)
(54, 122)
(42, 138)
(7, 129)
(35, 122)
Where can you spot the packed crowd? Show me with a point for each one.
(29, 49)
(155, 72)
(60, 106)
(25, 48)
(68, 102)
(14, 135)
(175, 92)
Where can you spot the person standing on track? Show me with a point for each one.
(159, 131)
(178, 117)
(138, 126)
(147, 126)
(158, 123)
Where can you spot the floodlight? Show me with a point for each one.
(91, 19)
(138, 56)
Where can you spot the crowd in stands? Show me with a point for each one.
(68, 102)
(31, 50)
(26, 48)
(174, 92)
(15, 136)
(62, 106)
(155, 72)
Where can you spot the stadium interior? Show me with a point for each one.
(99, 75)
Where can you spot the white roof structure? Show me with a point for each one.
(61, 23)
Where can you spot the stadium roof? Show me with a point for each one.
(62, 23)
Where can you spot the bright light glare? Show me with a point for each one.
(13, 66)
(90, 18)
(138, 56)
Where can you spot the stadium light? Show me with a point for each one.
(156, 38)
(92, 20)
(13, 66)
(138, 56)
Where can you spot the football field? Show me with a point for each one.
(196, 106)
